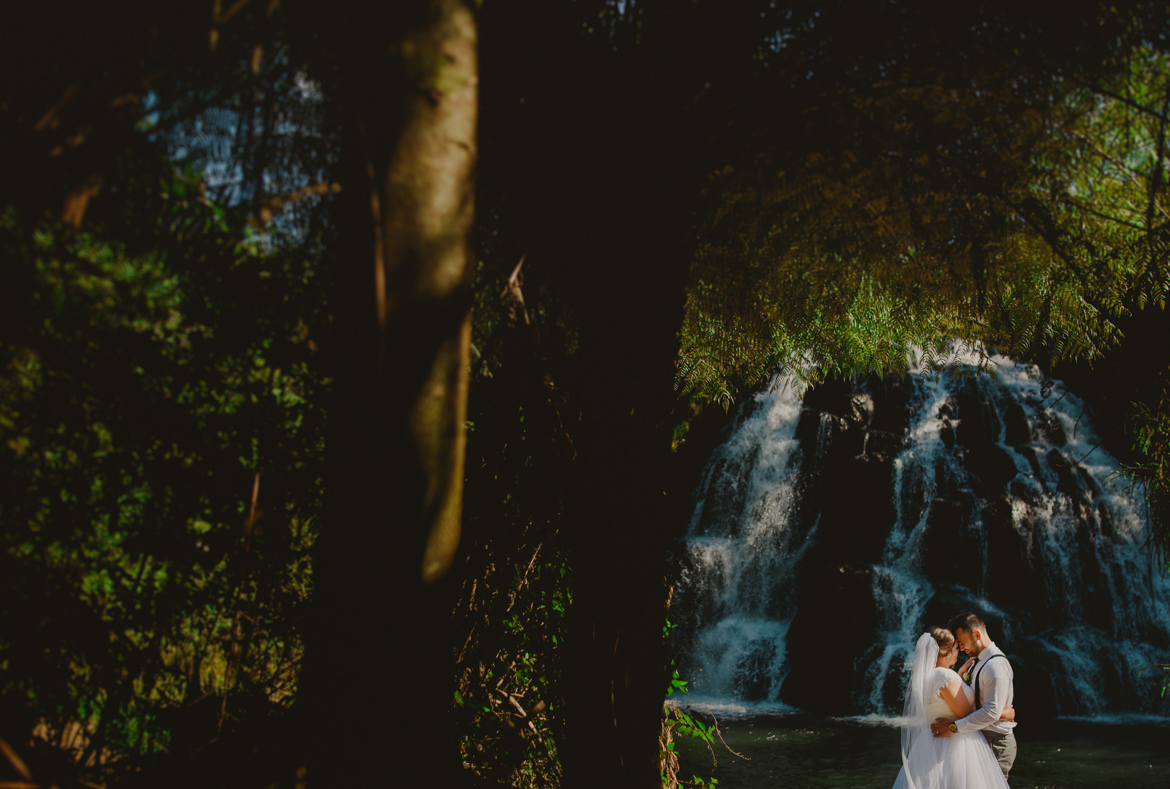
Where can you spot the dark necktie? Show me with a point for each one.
(971, 673)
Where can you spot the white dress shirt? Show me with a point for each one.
(996, 691)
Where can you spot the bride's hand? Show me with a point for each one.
(1009, 714)
(966, 667)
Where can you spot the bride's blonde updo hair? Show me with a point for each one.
(944, 638)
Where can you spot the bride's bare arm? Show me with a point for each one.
(952, 694)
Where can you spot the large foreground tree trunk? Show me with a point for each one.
(378, 677)
(625, 501)
(616, 663)
(587, 151)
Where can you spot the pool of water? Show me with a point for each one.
(793, 750)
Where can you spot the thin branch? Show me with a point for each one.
(14, 759)
(725, 745)
(1127, 101)
(1109, 157)
(219, 16)
(1091, 451)
(1155, 180)
(1101, 214)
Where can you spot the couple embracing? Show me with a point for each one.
(957, 735)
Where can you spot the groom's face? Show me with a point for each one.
(966, 641)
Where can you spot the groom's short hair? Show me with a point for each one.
(969, 621)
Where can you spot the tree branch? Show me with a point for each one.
(1127, 101)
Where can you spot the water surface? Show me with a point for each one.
(794, 750)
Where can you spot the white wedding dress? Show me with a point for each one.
(961, 761)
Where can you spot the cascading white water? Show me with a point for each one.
(1002, 500)
(899, 587)
(741, 546)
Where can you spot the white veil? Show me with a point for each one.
(915, 724)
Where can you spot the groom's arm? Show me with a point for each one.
(994, 692)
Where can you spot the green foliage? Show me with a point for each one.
(508, 696)
(1165, 678)
(684, 722)
(1150, 427)
(688, 724)
(917, 212)
(516, 583)
(161, 400)
(160, 447)
(678, 721)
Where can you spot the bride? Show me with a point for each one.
(961, 761)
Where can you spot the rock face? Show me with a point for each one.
(830, 532)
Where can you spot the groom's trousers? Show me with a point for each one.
(1004, 748)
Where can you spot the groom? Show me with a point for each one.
(991, 677)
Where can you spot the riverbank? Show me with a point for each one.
(792, 750)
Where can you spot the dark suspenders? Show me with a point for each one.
(975, 681)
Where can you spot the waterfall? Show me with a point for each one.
(829, 530)
(742, 546)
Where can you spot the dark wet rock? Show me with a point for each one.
(1087, 483)
(1105, 518)
(1034, 462)
(978, 423)
(880, 445)
(1009, 578)
(1065, 474)
(946, 432)
(807, 429)
(751, 675)
(952, 599)
(1017, 431)
(1035, 695)
(993, 465)
(861, 408)
(835, 598)
(849, 437)
(942, 605)
(857, 512)
(823, 431)
(1052, 430)
(939, 544)
(951, 552)
(832, 397)
(1025, 489)
(892, 396)
(893, 685)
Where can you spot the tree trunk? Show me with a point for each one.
(378, 677)
(625, 503)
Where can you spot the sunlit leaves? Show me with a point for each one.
(926, 211)
(149, 377)
(1150, 430)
